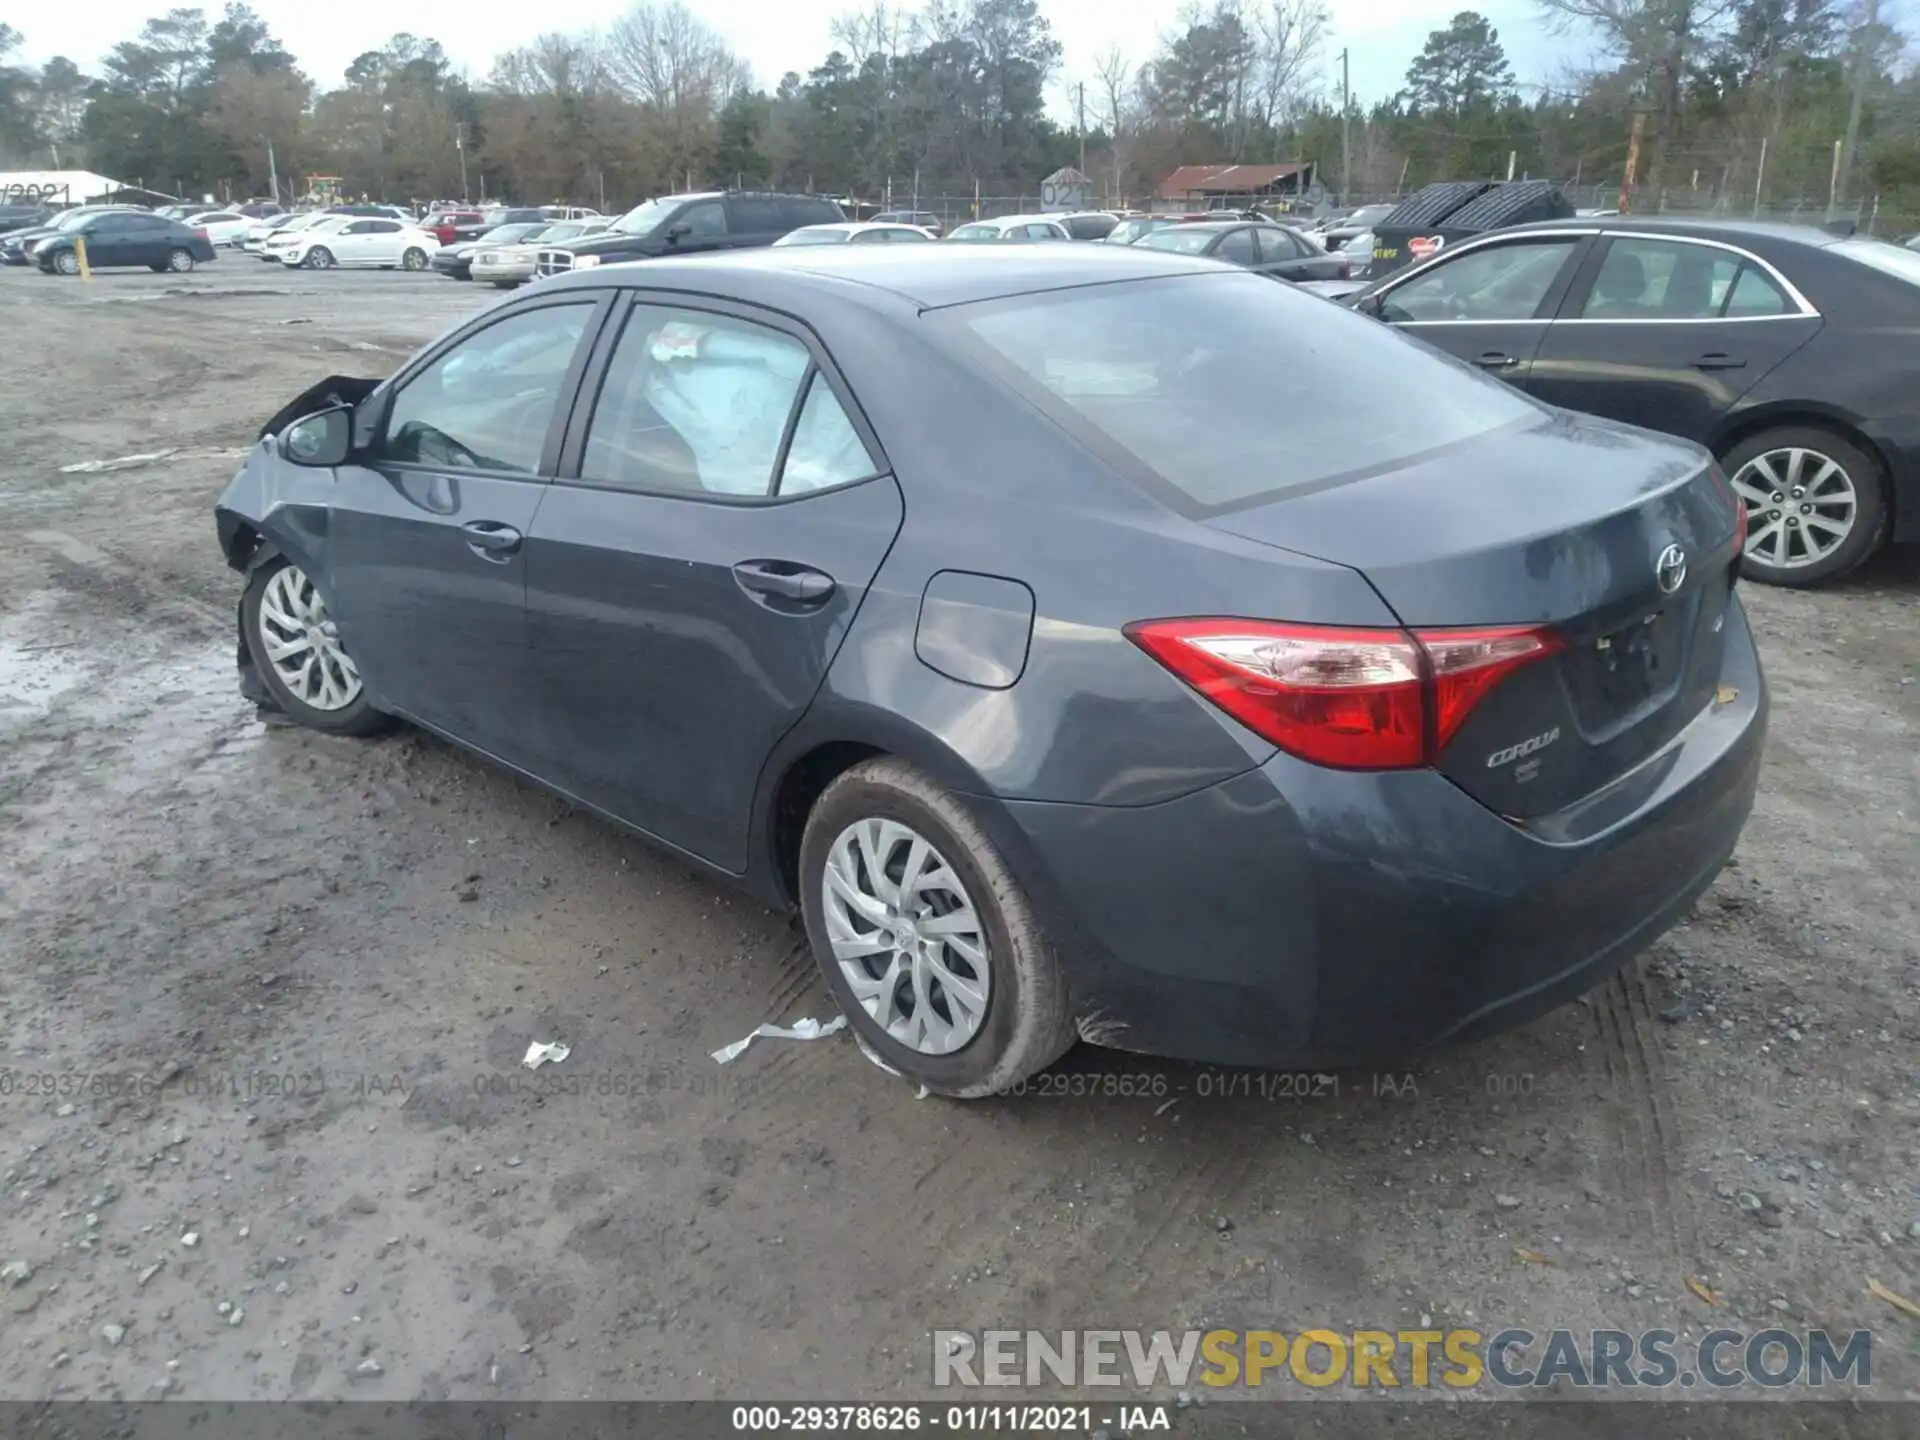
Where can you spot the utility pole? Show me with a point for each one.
(1863, 42)
(460, 144)
(1346, 134)
(1082, 91)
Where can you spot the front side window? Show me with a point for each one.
(813, 237)
(487, 403)
(703, 221)
(1181, 239)
(1499, 282)
(699, 403)
(1644, 279)
(975, 232)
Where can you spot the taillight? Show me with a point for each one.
(201, 232)
(1352, 699)
(1725, 486)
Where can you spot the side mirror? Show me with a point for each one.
(674, 232)
(321, 440)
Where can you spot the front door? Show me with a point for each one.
(426, 544)
(1668, 333)
(1488, 305)
(701, 227)
(688, 588)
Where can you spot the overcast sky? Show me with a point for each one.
(780, 35)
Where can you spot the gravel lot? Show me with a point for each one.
(264, 1131)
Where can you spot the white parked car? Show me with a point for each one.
(505, 266)
(276, 239)
(359, 241)
(856, 232)
(223, 227)
(1011, 229)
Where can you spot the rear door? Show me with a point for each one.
(1668, 332)
(426, 535)
(721, 514)
(1488, 305)
(380, 242)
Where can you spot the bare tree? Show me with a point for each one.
(1657, 40)
(1291, 34)
(1117, 108)
(678, 71)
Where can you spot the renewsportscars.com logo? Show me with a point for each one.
(1509, 1359)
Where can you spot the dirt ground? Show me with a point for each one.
(264, 997)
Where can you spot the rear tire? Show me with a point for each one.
(1799, 482)
(505, 284)
(180, 262)
(1025, 1022)
(414, 259)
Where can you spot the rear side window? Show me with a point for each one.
(1231, 388)
(753, 217)
(1755, 294)
(700, 403)
(813, 212)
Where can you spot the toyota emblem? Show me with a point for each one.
(1671, 569)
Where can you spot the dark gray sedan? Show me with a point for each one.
(1267, 248)
(1075, 634)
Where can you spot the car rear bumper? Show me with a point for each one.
(1297, 916)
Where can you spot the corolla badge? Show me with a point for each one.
(1670, 570)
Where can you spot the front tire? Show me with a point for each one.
(298, 655)
(319, 258)
(67, 263)
(925, 937)
(1816, 504)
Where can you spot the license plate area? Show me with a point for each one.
(1617, 673)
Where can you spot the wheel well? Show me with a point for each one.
(805, 781)
(1747, 428)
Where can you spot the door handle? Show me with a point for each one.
(491, 540)
(1494, 360)
(1720, 360)
(784, 580)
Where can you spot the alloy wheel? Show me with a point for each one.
(908, 939)
(179, 262)
(1801, 506)
(302, 643)
(67, 263)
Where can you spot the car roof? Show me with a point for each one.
(1728, 230)
(920, 276)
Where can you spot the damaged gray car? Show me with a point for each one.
(1074, 668)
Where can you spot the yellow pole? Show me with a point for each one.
(80, 254)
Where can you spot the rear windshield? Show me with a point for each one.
(1893, 260)
(1234, 389)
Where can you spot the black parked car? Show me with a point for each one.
(1791, 353)
(1279, 726)
(692, 224)
(16, 248)
(23, 217)
(125, 238)
(1271, 249)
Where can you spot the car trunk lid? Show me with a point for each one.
(1619, 542)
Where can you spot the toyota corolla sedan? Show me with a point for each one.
(1072, 662)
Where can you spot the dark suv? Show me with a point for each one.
(692, 225)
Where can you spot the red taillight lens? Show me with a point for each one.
(1352, 699)
(1739, 510)
(201, 232)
